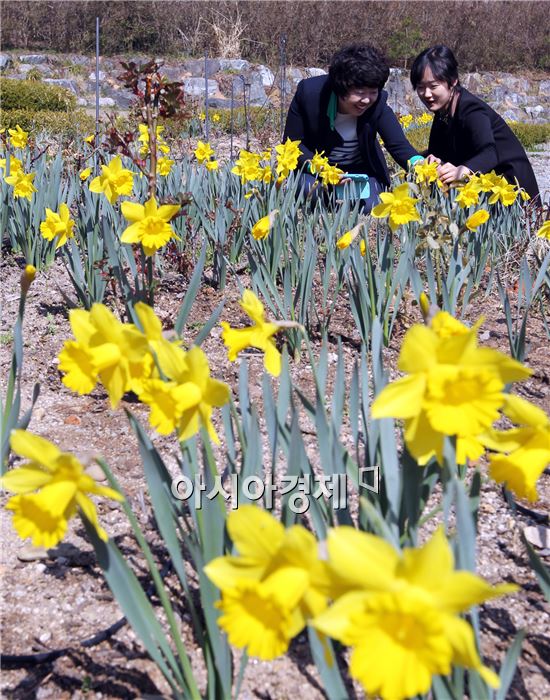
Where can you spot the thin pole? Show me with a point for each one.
(283, 83)
(231, 121)
(96, 143)
(206, 117)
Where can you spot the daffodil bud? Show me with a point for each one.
(27, 277)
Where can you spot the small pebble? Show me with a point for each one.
(96, 472)
(30, 553)
(45, 637)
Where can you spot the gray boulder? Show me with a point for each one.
(266, 76)
(102, 75)
(6, 61)
(62, 82)
(294, 75)
(196, 87)
(544, 88)
(78, 59)
(254, 89)
(196, 67)
(106, 102)
(314, 72)
(34, 58)
(234, 64)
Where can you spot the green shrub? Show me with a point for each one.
(67, 125)
(35, 96)
(531, 135)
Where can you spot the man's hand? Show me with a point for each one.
(448, 173)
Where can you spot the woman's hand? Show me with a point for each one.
(433, 159)
(448, 173)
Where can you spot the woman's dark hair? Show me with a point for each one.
(442, 62)
(358, 66)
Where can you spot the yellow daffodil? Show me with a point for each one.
(479, 217)
(486, 181)
(317, 163)
(398, 206)
(216, 118)
(49, 489)
(247, 166)
(114, 180)
(544, 230)
(22, 184)
(347, 239)
(143, 138)
(186, 400)
(424, 119)
(272, 587)
(401, 621)
(106, 350)
(85, 174)
(287, 158)
(426, 172)
(453, 387)
(505, 193)
(363, 247)
(265, 174)
(468, 195)
(18, 137)
(406, 120)
(15, 165)
(259, 335)
(58, 225)
(524, 450)
(164, 166)
(212, 165)
(261, 228)
(90, 138)
(331, 175)
(203, 151)
(149, 224)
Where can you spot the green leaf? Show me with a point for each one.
(509, 665)
(323, 654)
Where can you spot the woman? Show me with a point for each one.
(342, 114)
(467, 136)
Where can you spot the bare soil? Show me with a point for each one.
(60, 601)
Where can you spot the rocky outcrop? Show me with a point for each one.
(515, 97)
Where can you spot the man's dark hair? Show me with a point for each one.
(442, 62)
(358, 66)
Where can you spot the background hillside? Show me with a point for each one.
(484, 35)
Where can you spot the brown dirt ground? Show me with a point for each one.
(63, 599)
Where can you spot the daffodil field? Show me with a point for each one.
(359, 531)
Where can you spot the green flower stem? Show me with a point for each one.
(161, 590)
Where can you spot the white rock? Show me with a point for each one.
(266, 76)
(196, 87)
(312, 72)
(102, 76)
(234, 64)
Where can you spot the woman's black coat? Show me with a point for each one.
(307, 121)
(477, 137)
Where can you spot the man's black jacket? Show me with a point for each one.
(307, 121)
(477, 137)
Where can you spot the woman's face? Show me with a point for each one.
(357, 101)
(433, 92)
